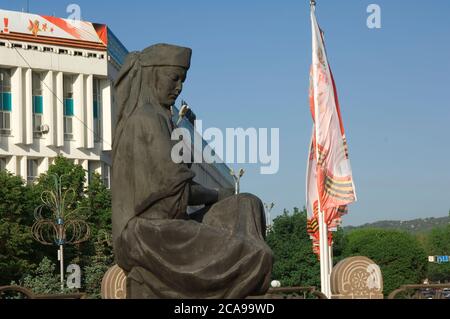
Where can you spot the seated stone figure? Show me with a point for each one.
(165, 252)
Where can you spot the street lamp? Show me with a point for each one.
(183, 111)
(237, 179)
(57, 222)
(269, 208)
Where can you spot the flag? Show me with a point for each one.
(329, 181)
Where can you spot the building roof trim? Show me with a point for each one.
(35, 28)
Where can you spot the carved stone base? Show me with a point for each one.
(356, 278)
(115, 285)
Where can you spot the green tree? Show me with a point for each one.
(401, 258)
(75, 177)
(295, 263)
(339, 242)
(98, 252)
(98, 202)
(18, 251)
(98, 264)
(72, 177)
(44, 279)
(21, 257)
(94, 256)
(438, 244)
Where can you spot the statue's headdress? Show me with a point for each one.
(129, 81)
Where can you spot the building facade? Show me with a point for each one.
(215, 175)
(56, 80)
(56, 97)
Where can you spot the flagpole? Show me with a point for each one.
(325, 269)
(325, 260)
(330, 265)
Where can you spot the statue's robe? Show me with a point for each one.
(164, 253)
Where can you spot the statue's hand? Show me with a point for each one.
(225, 192)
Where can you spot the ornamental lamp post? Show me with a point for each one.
(269, 208)
(58, 223)
(237, 179)
(183, 111)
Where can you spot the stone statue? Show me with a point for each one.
(166, 253)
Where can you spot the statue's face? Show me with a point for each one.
(169, 84)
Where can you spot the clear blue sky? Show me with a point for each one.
(250, 69)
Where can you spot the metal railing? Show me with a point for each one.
(292, 293)
(14, 292)
(433, 291)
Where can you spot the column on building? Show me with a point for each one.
(28, 93)
(17, 112)
(85, 165)
(43, 165)
(106, 115)
(106, 174)
(79, 111)
(59, 125)
(90, 111)
(49, 106)
(11, 164)
(3, 160)
(94, 167)
(22, 163)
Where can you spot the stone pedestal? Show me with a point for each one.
(114, 284)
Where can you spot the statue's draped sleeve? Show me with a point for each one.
(147, 182)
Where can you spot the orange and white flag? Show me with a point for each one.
(329, 184)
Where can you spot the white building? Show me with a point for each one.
(56, 96)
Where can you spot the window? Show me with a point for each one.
(68, 86)
(97, 110)
(91, 171)
(5, 101)
(95, 167)
(68, 119)
(68, 106)
(38, 107)
(32, 168)
(2, 164)
(106, 174)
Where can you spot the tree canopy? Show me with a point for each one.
(437, 243)
(18, 251)
(295, 263)
(27, 262)
(401, 258)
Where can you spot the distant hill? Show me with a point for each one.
(421, 225)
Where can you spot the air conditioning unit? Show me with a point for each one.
(44, 129)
